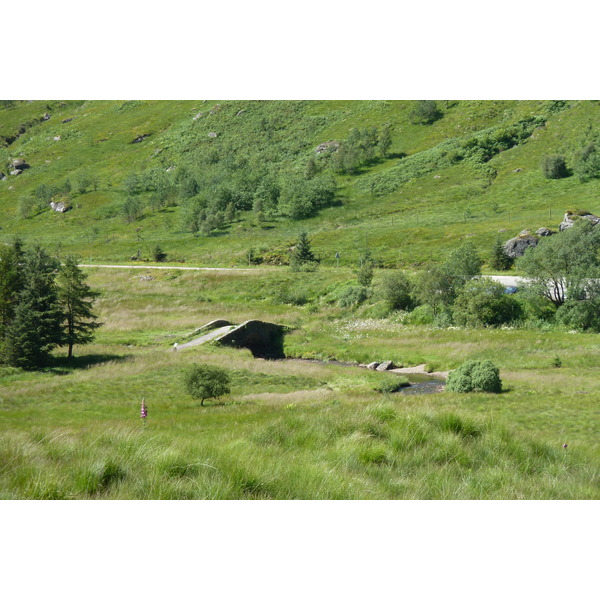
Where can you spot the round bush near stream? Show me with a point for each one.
(475, 376)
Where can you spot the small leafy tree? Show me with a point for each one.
(566, 265)
(76, 298)
(397, 291)
(82, 183)
(203, 382)
(425, 112)
(463, 264)
(311, 168)
(554, 166)
(364, 273)
(385, 140)
(132, 209)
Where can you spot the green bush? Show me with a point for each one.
(483, 303)
(158, 254)
(475, 376)
(554, 166)
(583, 315)
(587, 163)
(291, 295)
(350, 296)
(204, 381)
(396, 290)
(422, 315)
(425, 112)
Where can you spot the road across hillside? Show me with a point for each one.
(507, 280)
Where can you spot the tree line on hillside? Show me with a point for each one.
(563, 273)
(43, 304)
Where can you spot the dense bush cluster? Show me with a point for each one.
(475, 376)
(554, 166)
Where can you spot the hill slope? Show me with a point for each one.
(471, 172)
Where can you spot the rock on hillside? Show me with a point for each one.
(516, 246)
(570, 218)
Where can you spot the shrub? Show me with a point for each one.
(158, 254)
(296, 296)
(425, 112)
(364, 274)
(204, 381)
(554, 166)
(484, 303)
(475, 376)
(352, 295)
(587, 163)
(422, 315)
(132, 209)
(580, 314)
(396, 290)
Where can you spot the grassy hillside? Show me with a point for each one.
(471, 173)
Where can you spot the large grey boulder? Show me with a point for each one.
(373, 366)
(570, 218)
(330, 146)
(516, 246)
(19, 164)
(386, 365)
(2, 176)
(59, 207)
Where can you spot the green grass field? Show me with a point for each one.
(291, 429)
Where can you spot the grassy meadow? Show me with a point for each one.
(293, 429)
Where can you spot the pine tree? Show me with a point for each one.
(500, 260)
(76, 298)
(302, 253)
(11, 279)
(36, 327)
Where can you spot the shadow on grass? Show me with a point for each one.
(61, 365)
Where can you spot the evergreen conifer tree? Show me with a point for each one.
(36, 327)
(11, 277)
(500, 260)
(76, 298)
(302, 253)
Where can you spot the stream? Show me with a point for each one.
(419, 382)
